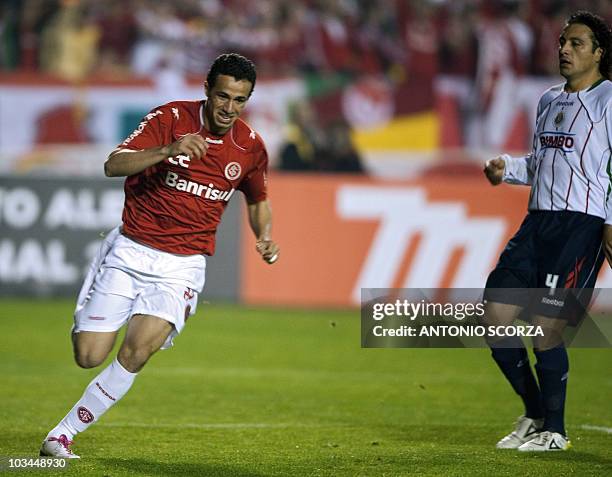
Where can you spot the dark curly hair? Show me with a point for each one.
(601, 37)
(232, 64)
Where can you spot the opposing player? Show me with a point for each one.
(183, 164)
(559, 244)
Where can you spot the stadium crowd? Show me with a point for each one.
(329, 43)
(282, 36)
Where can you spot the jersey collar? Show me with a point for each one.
(596, 84)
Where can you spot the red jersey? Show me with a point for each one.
(176, 205)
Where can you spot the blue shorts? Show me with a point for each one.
(556, 252)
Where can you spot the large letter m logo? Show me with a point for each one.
(403, 214)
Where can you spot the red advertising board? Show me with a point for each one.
(339, 234)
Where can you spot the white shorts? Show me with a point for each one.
(127, 278)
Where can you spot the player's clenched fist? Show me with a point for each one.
(268, 250)
(192, 145)
(494, 170)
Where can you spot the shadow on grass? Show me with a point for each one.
(447, 436)
(152, 467)
(573, 455)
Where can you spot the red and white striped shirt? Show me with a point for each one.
(569, 167)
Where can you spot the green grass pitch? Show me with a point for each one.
(258, 392)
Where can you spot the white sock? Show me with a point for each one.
(104, 390)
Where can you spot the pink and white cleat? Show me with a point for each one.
(58, 447)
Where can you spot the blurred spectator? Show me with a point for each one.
(547, 27)
(339, 153)
(421, 41)
(161, 32)
(283, 53)
(118, 31)
(455, 86)
(472, 62)
(333, 36)
(69, 46)
(8, 35)
(33, 18)
(310, 147)
(305, 139)
(378, 37)
(286, 36)
(459, 44)
(505, 46)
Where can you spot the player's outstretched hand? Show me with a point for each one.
(192, 145)
(268, 250)
(494, 170)
(607, 243)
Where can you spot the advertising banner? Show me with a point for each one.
(50, 229)
(339, 235)
(103, 115)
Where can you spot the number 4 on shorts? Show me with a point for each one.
(551, 282)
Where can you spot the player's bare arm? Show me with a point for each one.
(121, 163)
(260, 219)
(494, 170)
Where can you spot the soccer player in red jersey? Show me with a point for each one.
(182, 165)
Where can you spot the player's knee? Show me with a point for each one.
(87, 360)
(91, 349)
(499, 314)
(134, 358)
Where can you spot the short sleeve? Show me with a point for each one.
(149, 133)
(255, 184)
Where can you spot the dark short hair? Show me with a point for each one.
(602, 36)
(232, 64)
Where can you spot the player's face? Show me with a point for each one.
(225, 102)
(577, 60)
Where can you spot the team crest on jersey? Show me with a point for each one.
(559, 118)
(233, 171)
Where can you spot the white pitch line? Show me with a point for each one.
(222, 425)
(607, 430)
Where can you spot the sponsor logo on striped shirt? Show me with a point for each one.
(557, 140)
